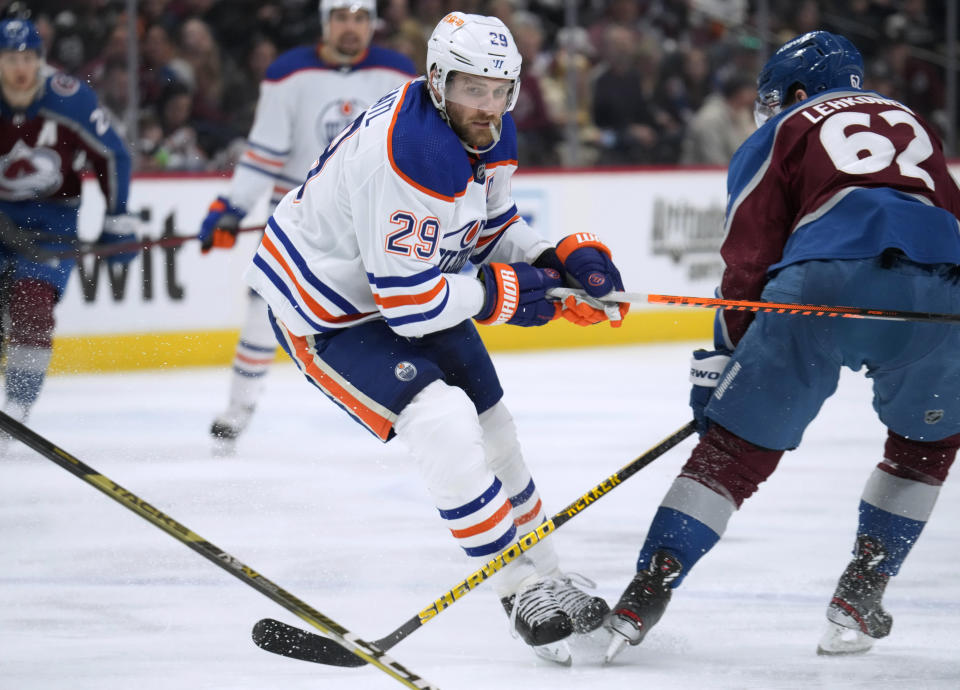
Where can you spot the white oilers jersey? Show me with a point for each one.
(304, 102)
(386, 221)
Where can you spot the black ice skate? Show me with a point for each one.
(855, 616)
(227, 427)
(537, 617)
(586, 612)
(642, 603)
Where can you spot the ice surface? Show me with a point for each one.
(93, 597)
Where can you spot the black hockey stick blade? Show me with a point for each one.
(287, 640)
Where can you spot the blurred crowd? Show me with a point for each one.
(636, 82)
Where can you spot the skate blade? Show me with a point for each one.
(557, 652)
(838, 640)
(617, 643)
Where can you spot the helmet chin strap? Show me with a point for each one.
(494, 132)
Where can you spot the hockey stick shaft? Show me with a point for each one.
(367, 652)
(783, 307)
(280, 638)
(103, 250)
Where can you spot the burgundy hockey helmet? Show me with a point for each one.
(814, 62)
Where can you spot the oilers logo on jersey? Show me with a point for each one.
(335, 116)
(453, 261)
(405, 371)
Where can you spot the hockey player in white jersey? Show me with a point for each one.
(308, 95)
(363, 269)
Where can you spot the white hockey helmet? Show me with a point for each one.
(472, 44)
(328, 6)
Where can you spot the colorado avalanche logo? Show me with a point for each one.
(405, 371)
(64, 85)
(334, 117)
(27, 173)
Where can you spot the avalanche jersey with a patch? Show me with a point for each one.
(844, 175)
(386, 220)
(45, 148)
(304, 102)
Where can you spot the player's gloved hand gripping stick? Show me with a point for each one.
(517, 294)
(219, 228)
(589, 265)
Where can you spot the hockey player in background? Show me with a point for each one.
(51, 129)
(308, 95)
(364, 269)
(841, 197)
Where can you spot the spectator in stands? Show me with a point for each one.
(240, 101)
(916, 82)
(160, 65)
(537, 133)
(723, 123)
(622, 13)
(620, 107)
(174, 144)
(399, 29)
(685, 83)
(114, 49)
(911, 23)
(213, 75)
(113, 94)
(65, 48)
(704, 42)
(574, 51)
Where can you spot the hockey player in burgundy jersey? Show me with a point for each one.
(842, 196)
(365, 268)
(309, 94)
(51, 130)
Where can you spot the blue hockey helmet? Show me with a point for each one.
(20, 34)
(814, 62)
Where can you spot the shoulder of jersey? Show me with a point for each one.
(68, 95)
(295, 59)
(423, 149)
(384, 58)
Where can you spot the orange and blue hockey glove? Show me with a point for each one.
(517, 294)
(219, 228)
(589, 265)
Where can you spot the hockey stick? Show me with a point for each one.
(287, 640)
(87, 249)
(365, 651)
(772, 307)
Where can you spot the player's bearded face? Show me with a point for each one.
(349, 33)
(474, 104)
(19, 76)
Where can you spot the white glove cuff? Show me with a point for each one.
(706, 372)
(122, 224)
